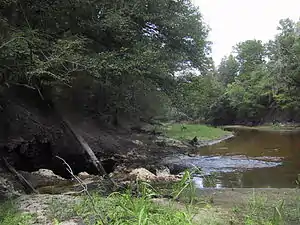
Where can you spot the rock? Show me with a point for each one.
(145, 175)
(47, 174)
(165, 171)
(169, 142)
(132, 154)
(43, 177)
(137, 142)
(163, 174)
(83, 175)
(7, 188)
(142, 174)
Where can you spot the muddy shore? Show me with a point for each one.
(118, 150)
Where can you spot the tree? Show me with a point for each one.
(249, 54)
(195, 95)
(228, 70)
(268, 80)
(111, 45)
(284, 54)
(250, 96)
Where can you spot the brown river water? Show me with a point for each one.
(258, 159)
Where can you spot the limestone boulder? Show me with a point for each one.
(142, 174)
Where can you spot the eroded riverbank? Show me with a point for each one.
(211, 206)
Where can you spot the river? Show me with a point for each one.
(258, 159)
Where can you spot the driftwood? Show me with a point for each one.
(26, 184)
(84, 145)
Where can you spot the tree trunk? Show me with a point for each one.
(85, 146)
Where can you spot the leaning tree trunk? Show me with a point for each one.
(84, 145)
(89, 152)
(78, 139)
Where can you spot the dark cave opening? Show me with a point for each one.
(37, 155)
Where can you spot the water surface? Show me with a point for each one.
(256, 159)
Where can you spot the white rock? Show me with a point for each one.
(83, 175)
(163, 172)
(47, 174)
(137, 142)
(142, 174)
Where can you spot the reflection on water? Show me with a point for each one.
(252, 150)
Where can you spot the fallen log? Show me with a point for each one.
(89, 152)
(26, 184)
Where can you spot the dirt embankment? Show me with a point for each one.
(32, 134)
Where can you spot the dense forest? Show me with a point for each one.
(133, 59)
(258, 83)
(114, 57)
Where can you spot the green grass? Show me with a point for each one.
(9, 215)
(189, 131)
(121, 208)
(135, 206)
(260, 212)
(125, 208)
(263, 211)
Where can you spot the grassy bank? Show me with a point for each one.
(209, 207)
(120, 209)
(136, 206)
(133, 206)
(189, 131)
